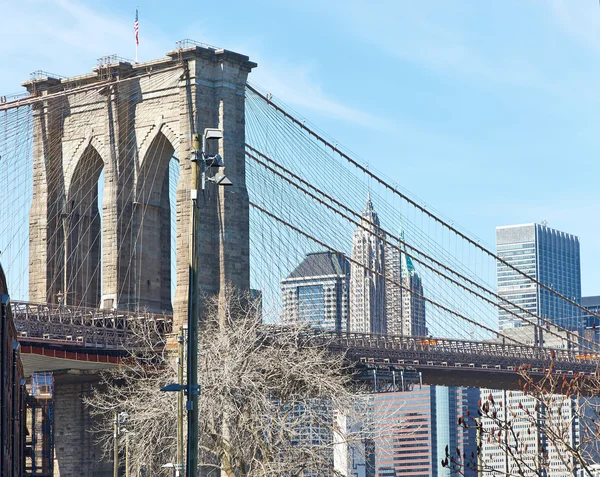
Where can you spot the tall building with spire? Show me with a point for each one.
(367, 282)
(404, 305)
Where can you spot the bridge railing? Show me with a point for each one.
(86, 326)
(444, 346)
(113, 329)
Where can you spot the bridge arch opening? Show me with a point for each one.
(154, 228)
(81, 222)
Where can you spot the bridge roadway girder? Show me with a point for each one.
(60, 357)
(441, 361)
(471, 377)
(458, 369)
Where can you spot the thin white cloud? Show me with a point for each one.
(581, 20)
(296, 86)
(65, 37)
(444, 37)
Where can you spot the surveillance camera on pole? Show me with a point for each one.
(192, 388)
(208, 161)
(220, 180)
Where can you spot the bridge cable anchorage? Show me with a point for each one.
(386, 234)
(394, 190)
(350, 259)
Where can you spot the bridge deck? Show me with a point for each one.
(57, 337)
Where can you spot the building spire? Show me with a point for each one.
(369, 204)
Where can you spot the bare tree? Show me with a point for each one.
(274, 401)
(551, 426)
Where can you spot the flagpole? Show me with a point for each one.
(136, 29)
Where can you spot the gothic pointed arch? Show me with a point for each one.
(81, 222)
(159, 128)
(78, 153)
(152, 225)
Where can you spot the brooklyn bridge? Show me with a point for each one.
(96, 181)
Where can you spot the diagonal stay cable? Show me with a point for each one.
(402, 242)
(350, 259)
(422, 209)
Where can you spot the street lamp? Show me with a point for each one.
(193, 389)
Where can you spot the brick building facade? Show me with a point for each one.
(12, 392)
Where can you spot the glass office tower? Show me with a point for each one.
(592, 303)
(316, 292)
(547, 255)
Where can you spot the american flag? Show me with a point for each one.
(136, 28)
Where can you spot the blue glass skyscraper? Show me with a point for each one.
(547, 255)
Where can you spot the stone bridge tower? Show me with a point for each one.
(108, 243)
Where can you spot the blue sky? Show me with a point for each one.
(488, 111)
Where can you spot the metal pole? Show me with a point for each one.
(115, 446)
(180, 400)
(192, 361)
(479, 447)
(127, 455)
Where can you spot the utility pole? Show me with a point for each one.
(127, 455)
(180, 339)
(205, 161)
(192, 362)
(115, 445)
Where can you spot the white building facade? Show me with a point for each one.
(367, 275)
(535, 451)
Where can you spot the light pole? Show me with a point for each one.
(180, 357)
(192, 389)
(115, 445)
(199, 156)
(118, 419)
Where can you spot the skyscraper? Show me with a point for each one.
(545, 254)
(590, 322)
(405, 307)
(592, 303)
(316, 292)
(414, 428)
(367, 282)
